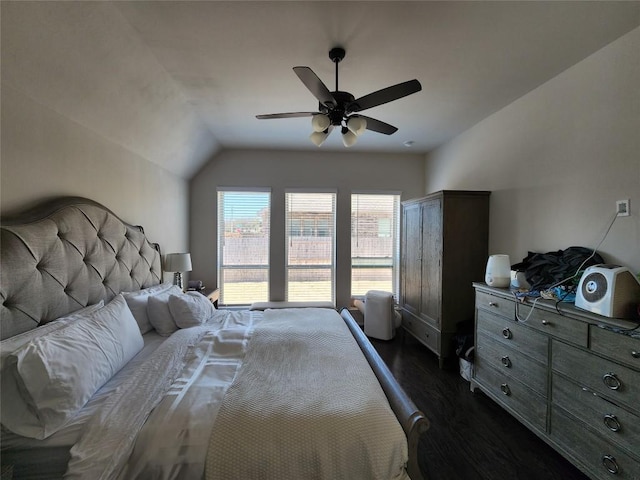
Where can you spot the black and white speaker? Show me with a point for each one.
(609, 290)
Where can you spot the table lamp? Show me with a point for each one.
(177, 263)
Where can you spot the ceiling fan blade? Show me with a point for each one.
(267, 116)
(315, 85)
(384, 96)
(378, 126)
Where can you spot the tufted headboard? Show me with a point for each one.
(64, 255)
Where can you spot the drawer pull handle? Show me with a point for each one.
(612, 423)
(635, 354)
(506, 361)
(546, 322)
(611, 381)
(493, 304)
(505, 389)
(506, 333)
(609, 462)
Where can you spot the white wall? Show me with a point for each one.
(557, 160)
(45, 154)
(88, 111)
(285, 169)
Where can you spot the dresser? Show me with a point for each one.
(443, 249)
(568, 375)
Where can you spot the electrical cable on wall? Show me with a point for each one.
(589, 257)
(567, 279)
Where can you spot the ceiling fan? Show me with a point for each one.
(341, 109)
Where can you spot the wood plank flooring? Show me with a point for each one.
(470, 437)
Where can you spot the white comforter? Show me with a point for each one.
(240, 390)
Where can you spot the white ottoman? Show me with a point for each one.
(380, 316)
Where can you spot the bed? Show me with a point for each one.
(109, 372)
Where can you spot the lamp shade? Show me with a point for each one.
(498, 273)
(357, 125)
(177, 262)
(348, 137)
(318, 138)
(320, 122)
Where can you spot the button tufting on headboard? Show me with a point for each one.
(67, 254)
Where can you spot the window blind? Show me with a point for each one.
(243, 245)
(310, 251)
(375, 242)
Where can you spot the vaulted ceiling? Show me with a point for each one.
(234, 60)
(176, 81)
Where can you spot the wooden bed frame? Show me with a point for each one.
(70, 252)
(413, 421)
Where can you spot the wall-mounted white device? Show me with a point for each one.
(609, 290)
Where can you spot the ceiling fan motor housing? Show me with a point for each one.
(339, 111)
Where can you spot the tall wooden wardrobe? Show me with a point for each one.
(444, 249)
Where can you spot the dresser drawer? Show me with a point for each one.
(511, 362)
(517, 398)
(601, 458)
(424, 332)
(617, 346)
(497, 305)
(620, 384)
(551, 323)
(612, 423)
(508, 332)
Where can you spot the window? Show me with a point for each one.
(375, 242)
(243, 246)
(310, 252)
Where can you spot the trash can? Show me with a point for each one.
(465, 351)
(466, 364)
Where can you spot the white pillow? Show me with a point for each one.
(190, 309)
(11, 344)
(159, 313)
(56, 374)
(137, 302)
(13, 405)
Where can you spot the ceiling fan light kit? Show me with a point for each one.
(357, 125)
(318, 138)
(348, 137)
(320, 122)
(337, 108)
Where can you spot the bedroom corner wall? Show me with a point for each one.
(557, 160)
(88, 111)
(45, 154)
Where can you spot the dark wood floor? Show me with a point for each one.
(470, 437)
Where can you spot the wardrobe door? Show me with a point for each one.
(411, 257)
(431, 261)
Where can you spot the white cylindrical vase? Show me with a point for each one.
(498, 273)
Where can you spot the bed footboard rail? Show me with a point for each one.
(413, 421)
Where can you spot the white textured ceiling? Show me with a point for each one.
(234, 60)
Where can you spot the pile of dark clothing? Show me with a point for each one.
(545, 270)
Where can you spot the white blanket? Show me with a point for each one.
(109, 435)
(305, 405)
(173, 444)
(105, 449)
(342, 427)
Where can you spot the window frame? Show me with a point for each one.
(395, 236)
(314, 228)
(221, 267)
